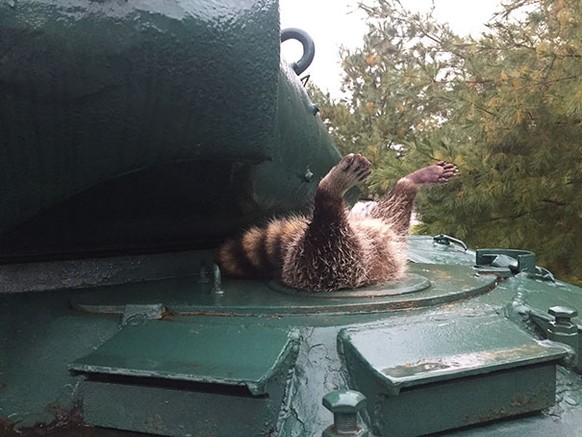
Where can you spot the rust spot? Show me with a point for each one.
(443, 276)
(413, 369)
(521, 404)
(67, 424)
(6, 427)
(168, 314)
(528, 401)
(486, 416)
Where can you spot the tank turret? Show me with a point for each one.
(149, 126)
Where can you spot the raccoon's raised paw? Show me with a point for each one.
(356, 165)
(438, 173)
(354, 169)
(351, 170)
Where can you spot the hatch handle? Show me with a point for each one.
(447, 240)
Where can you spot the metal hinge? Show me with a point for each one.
(557, 325)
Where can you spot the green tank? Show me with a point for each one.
(135, 136)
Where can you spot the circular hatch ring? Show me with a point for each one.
(412, 283)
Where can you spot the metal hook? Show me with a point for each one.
(308, 48)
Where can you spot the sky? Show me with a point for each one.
(333, 23)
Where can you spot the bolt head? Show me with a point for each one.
(344, 401)
(562, 312)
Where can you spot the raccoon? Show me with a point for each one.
(334, 248)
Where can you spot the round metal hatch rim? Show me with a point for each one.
(188, 296)
(412, 283)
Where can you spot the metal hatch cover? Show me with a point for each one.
(171, 377)
(237, 356)
(442, 374)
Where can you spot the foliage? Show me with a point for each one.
(505, 107)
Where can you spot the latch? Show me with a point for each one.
(509, 262)
(557, 325)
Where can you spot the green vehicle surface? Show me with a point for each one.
(135, 137)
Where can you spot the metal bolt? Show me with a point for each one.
(217, 285)
(345, 405)
(563, 315)
(562, 325)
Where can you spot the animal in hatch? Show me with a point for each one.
(334, 248)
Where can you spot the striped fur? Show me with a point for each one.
(334, 248)
(260, 251)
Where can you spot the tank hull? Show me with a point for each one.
(120, 351)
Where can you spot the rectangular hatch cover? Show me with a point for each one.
(235, 355)
(432, 375)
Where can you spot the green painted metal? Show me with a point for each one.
(462, 357)
(441, 350)
(116, 118)
(182, 410)
(43, 336)
(345, 406)
(515, 260)
(189, 296)
(194, 353)
(175, 367)
(446, 239)
(559, 324)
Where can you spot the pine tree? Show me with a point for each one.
(505, 107)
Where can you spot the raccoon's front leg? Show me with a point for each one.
(327, 256)
(396, 205)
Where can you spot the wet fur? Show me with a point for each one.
(334, 248)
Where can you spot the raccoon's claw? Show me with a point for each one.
(449, 170)
(356, 166)
(351, 170)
